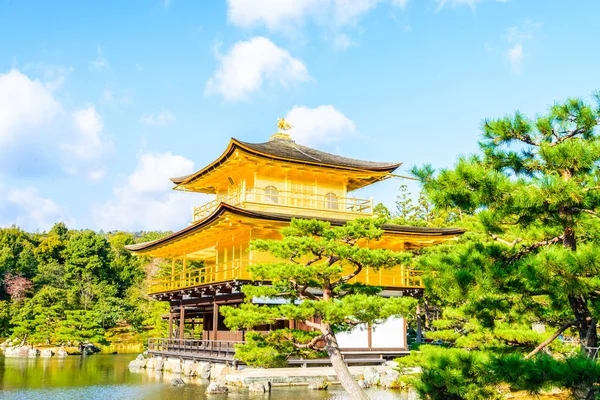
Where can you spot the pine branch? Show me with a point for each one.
(572, 134)
(536, 245)
(510, 244)
(345, 279)
(310, 345)
(303, 293)
(589, 189)
(314, 325)
(585, 210)
(551, 338)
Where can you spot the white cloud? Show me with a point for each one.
(100, 63)
(53, 76)
(145, 201)
(163, 117)
(250, 64)
(400, 3)
(26, 208)
(516, 36)
(286, 16)
(24, 103)
(122, 96)
(526, 32)
(38, 135)
(342, 42)
(274, 14)
(515, 57)
(323, 124)
(88, 143)
(455, 3)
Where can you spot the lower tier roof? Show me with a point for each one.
(268, 216)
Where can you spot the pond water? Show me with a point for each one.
(108, 377)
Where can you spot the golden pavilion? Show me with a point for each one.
(258, 188)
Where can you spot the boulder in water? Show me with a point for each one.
(177, 382)
(203, 370)
(371, 376)
(189, 368)
(390, 380)
(46, 353)
(62, 352)
(260, 387)
(216, 388)
(138, 363)
(319, 383)
(33, 353)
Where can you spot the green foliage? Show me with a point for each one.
(81, 326)
(85, 284)
(382, 211)
(530, 200)
(450, 374)
(316, 255)
(461, 374)
(273, 349)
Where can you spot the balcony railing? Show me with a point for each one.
(326, 203)
(397, 277)
(211, 349)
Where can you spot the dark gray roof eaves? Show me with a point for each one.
(223, 207)
(289, 150)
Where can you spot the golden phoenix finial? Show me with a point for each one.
(283, 125)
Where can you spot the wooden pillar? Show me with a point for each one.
(184, 267)
(181, 322)
(370, 337)
(170, 324)
(173, 270)
(192, 335)
(215, 320)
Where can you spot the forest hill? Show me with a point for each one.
(68, 286)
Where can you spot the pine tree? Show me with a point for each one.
(533, 253)
(317, 262)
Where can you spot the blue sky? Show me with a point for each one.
(102, 101)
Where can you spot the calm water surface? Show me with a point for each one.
(108, 377)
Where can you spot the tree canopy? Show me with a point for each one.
(317, 262)
(530, 200)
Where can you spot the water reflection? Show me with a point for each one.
(108, 377)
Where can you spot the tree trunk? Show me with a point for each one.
(340, 367)
(586, 325)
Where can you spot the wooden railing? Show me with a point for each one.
(216, 349)
(214, 273)
(398, 277)
(282, 198)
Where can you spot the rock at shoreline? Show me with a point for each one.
(177, 382)
(46, 353)
(219, 370)
(216, 388)
(150, 363)
(17, 351)
(138, 363)
(260, 387)
(203, 370)
(62, 352)
(371, 376)
(158, 364)
(390, 380)
(318, 384)
(189, 368)
(33, 353)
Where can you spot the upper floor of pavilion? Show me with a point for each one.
(285, 177)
